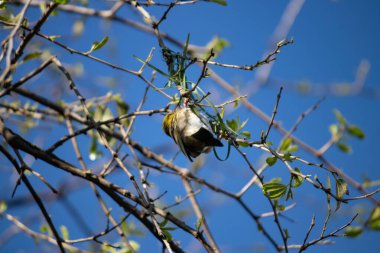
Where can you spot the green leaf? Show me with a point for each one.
(242, 144)
(3, 206)
(288, 157)
(64, 232)
(243, 124)
(98, 45)
(232, 124)
(290, 194)
(353, 231)
(374, 219)
(339, 116)
(341, 189)
(292, 148)
(167, 235)
(298, 180)
(271, 160)
(355, 131)
(163, 223)
(344, 147)
(285, 144)
(61, 1)
(217, 44)
(46, 230)
(32, 56)
(328, 187)
(274, 190)
(334, 130)
(53, 37)
(3, 4)
(169, 228)
(286, 232)
(246, 134)
(199, 223)
(221, 2)
(78, 27)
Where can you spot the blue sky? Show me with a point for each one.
(331, 39)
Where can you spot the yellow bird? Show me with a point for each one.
(191, 132)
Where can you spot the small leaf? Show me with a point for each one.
(3, 206)
(217, 44)
(243, 124)
(290, 194)
(163, 223)
(374, 219)
(328, 187)
(285, 144)
(341, 190)
(232, 124)
(288, 157)
(246, 134)
(242, 144)
(271, 160)
(221, 2)
(32, 56)
(355, 131)
(292, 148)
(344, 147)
(274, 190)
(199, 223)
(353, 231)
(167, 235)
(339, 116)
(286, 232)
(3, 4)
(98, 45)
(298, 180)
(78, 27)
(61, 1)
(64, 232)
(334, 131)
(53, 37)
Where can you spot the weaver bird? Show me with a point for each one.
(191, 132)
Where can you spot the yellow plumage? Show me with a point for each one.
(191, 132)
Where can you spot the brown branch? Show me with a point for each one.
(36, 198)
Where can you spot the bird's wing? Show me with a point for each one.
(207, 137)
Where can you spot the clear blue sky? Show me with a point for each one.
(331, 39)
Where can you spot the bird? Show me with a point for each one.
(190, 131)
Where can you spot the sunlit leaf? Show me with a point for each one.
(344, 147)
(3, 206)
(297, 180)
(353, 231)
(32, 56)
(232, 124)
(221, 2)
(341, 190)
(339, 116)
(246, 134)
(61, 1)
(274, 190)
(64, 232)
(98, 45)
(271, 160)
(374, 219)
(355, 131)
(285, 144)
